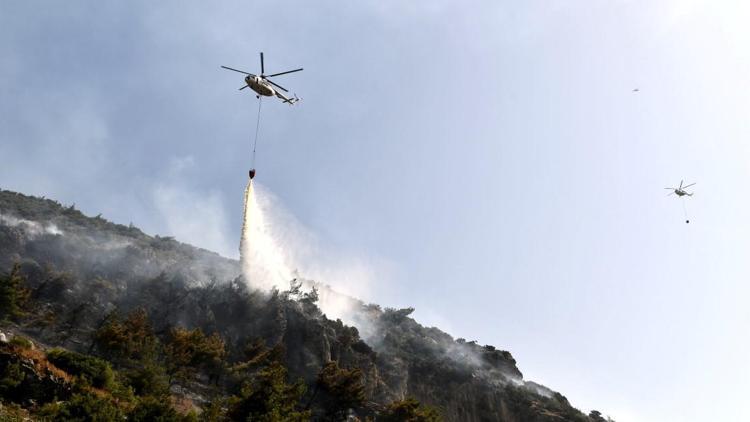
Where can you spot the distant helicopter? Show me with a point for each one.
(680, 191)
(263, 86)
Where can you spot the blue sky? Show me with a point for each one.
(484, 162)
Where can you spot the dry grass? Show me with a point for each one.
(184, 405)
(41, 364)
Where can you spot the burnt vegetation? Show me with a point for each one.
(103, 322)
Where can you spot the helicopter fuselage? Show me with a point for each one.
(260, 86)
(680, 192)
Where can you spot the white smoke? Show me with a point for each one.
(32, 228)
(195, 217)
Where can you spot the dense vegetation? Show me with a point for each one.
(255, 386)
(107, 323)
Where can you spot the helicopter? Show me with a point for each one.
(680, 191)
(264, 86)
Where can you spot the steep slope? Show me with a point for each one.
(80, 270)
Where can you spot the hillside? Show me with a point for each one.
(148, 324)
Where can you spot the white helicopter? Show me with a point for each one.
(263, 86)
(680, 191)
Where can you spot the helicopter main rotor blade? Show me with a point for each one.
(681, 184)
(243, 87)
(687, 186)
(671, 188)
(277, 85)
(241, 71)
(262, 66)
(284, 73)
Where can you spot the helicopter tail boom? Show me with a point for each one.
(290, 101)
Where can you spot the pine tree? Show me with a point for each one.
(408, 410)
(342, 389)
(130, 340)
(12, 293)
(268, 398)
(190, 350)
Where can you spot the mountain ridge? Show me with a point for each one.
(85, 269)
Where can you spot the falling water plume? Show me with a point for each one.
(263, 263)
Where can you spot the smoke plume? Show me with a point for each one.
(32, 228)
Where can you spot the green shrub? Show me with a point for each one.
(83, 408)
(93, 370)
(10, 378)
(148, 380)
(22, 342)
(151, 409)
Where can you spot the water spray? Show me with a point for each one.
(264, 263)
